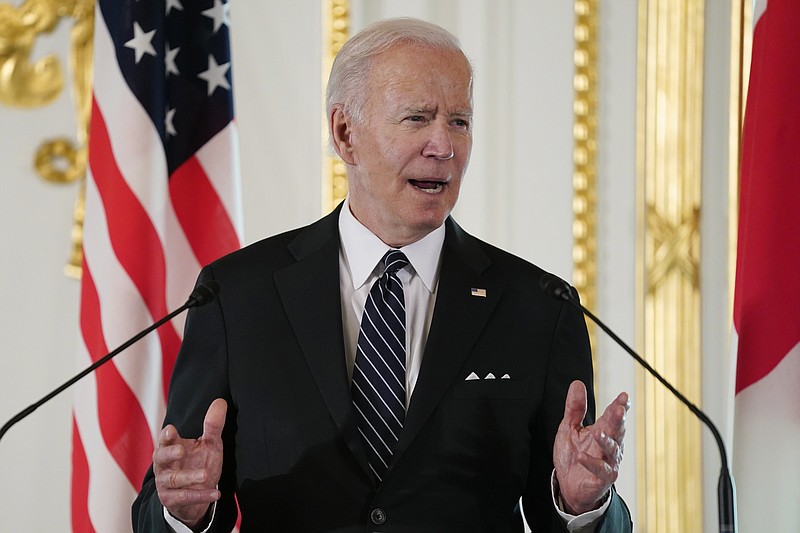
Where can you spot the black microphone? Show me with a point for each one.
(201, 295)
(726, 500)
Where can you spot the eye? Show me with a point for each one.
(460, 123)
(416, 118)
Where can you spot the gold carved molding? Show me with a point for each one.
(741, 51)
(336, 31)
(669, 128)
(28, 83)
(584, 175)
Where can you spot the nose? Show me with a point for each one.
(439, 145)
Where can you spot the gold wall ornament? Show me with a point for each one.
(674, 247)
(669, 133)
(74, 266)
(584, 175)
(57, 161)
(336, 31)
(24, 83)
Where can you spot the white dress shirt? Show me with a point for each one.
(360, 255)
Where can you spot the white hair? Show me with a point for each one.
(348, 77)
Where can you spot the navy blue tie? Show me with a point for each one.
(379, 374)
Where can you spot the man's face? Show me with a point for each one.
(408, 157)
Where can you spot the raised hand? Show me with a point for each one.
(587, 459)
(187, 471)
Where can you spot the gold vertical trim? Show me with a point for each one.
(669, 156)
(584, 175)
(741, 49)
(336, 31)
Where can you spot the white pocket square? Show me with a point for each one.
(473, 376)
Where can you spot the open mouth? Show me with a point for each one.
(428, 186)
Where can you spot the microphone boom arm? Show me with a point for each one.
(203, 293)
(561, 290)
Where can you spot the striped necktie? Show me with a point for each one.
(379, 374)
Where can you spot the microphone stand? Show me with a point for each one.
(204, 293)
(726, 499)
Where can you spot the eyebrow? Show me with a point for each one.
(462, 113)
(417, 109)
(426, 109)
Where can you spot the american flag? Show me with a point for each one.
(162, 199)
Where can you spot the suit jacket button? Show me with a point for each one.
(377, 516)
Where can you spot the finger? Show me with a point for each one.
(164, 456)
(610, 448)
(173, 499)
(168, 435)
(624, 400)
(613, 420)
(181, 479)
(605, 472)
(215, 419)
(575, 405)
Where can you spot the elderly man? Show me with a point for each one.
(381, 370)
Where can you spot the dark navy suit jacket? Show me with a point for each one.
(272, 346)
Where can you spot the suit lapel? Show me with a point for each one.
(459, 318)
(309, 290)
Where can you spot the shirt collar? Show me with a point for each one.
(363, 250)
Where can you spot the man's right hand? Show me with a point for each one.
(187, 471)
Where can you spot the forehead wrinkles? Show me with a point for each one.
(408, 82)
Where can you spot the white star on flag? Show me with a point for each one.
(174, 3)
(170, 127)
(220, 13)
(215, 75)
(141, 42)
(169, 60)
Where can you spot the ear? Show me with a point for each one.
(341, 134)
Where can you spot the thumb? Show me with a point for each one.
(215, 419)
(575, 405)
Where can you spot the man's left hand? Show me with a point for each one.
(587, 459)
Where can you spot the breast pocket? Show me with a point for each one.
(492, 389)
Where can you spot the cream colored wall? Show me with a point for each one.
(718, 368)
(616, 223)
(517, 194)
(38, 321)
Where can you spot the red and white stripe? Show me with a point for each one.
(766, 462)
(145, 239)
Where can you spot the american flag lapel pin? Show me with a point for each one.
(480, 293)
